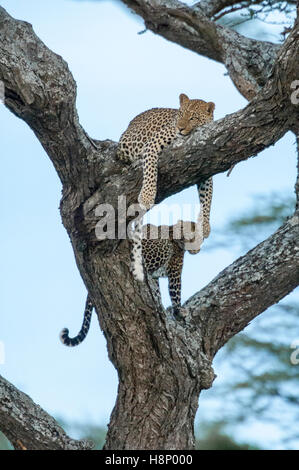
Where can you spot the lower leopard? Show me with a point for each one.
(205, 192)
(163, 249)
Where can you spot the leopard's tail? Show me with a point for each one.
(64, 335)
(136, 252)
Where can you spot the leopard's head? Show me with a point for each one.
(193, 113)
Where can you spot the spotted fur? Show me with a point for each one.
(163, 249)
(151, 131)
(136, 251)
(145, 138)
(140, 248)
(205, 190)
(64, 335)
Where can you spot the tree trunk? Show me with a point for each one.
(162, 364)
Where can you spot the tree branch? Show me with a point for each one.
(248, 61)
(37, 91)
(162, 364)
(36, 85)
(215, 147)
(28, 427)
(211, 7)
(40, 89)
(247, 287)
(297, 179)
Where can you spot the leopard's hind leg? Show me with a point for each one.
(205, 191)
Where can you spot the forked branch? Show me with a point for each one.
(28, 426)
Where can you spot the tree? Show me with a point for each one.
(262, 378)
(162, 365)
(212, 437)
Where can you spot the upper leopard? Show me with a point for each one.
(149, 132)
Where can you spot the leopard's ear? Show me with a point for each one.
(183, 99)
(210, 107)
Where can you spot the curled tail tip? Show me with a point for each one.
(64, 337)
(66, 340)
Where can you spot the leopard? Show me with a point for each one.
(152, 130)
(163, 254)
(163, 249)
(205, 193)
(145, 138)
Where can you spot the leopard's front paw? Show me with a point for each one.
(137, 272)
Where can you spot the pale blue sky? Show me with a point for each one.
(119, 74)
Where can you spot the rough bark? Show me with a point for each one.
(248, 61)
(249, 286)
(28, 426)
(212, 7)
(162, 364)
